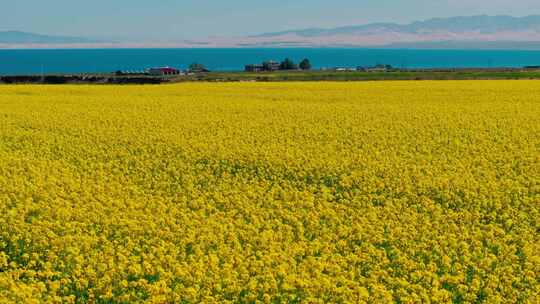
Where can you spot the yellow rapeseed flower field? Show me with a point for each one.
(407, 192)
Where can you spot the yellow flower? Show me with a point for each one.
(373, 192)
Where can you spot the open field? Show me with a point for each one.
(312, 192)
(458, 74)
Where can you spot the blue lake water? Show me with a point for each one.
(17, 62)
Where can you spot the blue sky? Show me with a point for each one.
(181, 19)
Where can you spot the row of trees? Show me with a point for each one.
(288, 64)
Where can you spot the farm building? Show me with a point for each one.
(163, 71)
(271, 65)
(254, 68)
(265, 66)
(376, 68)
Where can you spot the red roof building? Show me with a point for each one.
(163, 71)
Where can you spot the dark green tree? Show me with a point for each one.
(288, 64)
(305, 64)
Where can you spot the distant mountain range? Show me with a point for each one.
(458, 25)
(478, 32)
(446, 32)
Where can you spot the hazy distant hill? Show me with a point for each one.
(480, 24)
(432, 32)
(17, 37)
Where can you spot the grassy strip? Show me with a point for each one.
(362, 76)
(459, 74)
